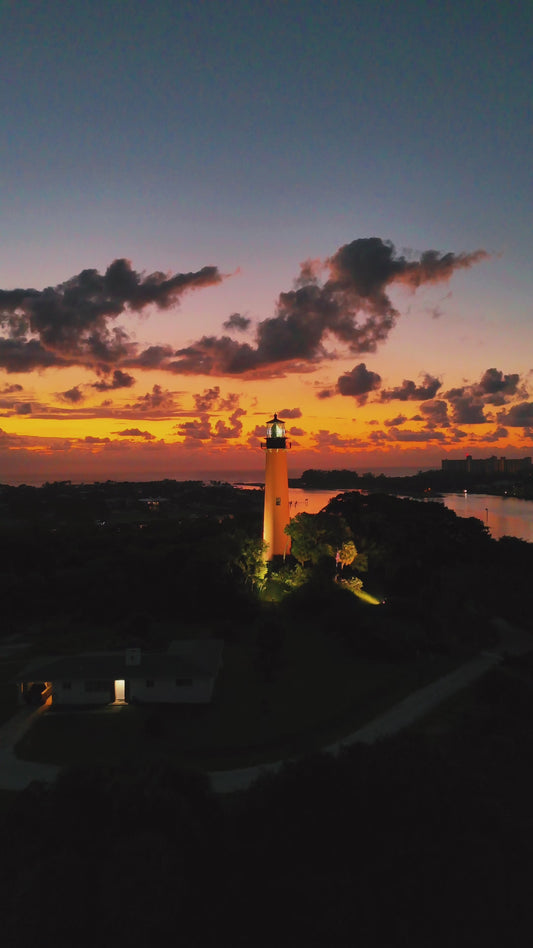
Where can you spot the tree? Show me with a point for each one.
(321, 536)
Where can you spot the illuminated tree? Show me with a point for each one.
(321, 536)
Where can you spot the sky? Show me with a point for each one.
(212, 212)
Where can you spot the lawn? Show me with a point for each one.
(8, 688)
(319, 695)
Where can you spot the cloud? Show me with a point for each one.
(424, 434)
(23, 408)
(11, 389)
(199, 430)
(73, 395)
(119, 379)
(394, 422)
(410, 391)
(494, 386)
(518, 416)
(289, 413)
(497, 435)
(358, 383)
(330, 439)
(159, 401)
(70, 322)
(435, 413)
(224, 432)
(467, 410)
(296, 432)
(351, 306)
(154, 357)
(211, 400)
(236, 321)
(21, 355)
(135, 433)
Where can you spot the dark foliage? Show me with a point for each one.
(413, 841)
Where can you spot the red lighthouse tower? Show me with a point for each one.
(277, 513)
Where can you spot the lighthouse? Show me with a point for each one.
(276, 515)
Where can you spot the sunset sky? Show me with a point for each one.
(213, 211)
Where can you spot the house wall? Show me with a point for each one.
(166, 690)
(81, 692)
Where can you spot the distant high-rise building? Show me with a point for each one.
(277, 511)
(492, 465)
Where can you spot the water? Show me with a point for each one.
(504, 516)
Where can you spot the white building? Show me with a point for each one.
(186, 673)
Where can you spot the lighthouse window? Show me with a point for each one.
(278, 501)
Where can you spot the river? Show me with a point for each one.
(504, 516)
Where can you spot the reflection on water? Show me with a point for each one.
(504, 516)
(309, 501)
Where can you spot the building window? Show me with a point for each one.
(66, 685)
(149, 683)
(278, 501)
(183, 682)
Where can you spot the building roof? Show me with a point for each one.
(190, 658)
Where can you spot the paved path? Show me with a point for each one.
(401, 715)
(512, 641)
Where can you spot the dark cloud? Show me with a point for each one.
(71, 321)
(208, 399)
(211, 400)
(410, 391)
(494, 386)
(325, 393)
(233, 430)
(425, 434)
(518, 416)
(199, 430)
(467, 410)
(19, 355)
(394, 422)
(497, 435)
(435, 413)
(468, 401)
(289, 413)
(91, 439)
(158, 401)
(119, 379)
(23, 408)
(73, 395)
(154, 357)
(296, 432)
(330, 439)
(10, 389)
(236, 321)
(358, 383)
(351, 306)
(135, 433)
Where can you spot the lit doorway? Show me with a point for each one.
(120, 690)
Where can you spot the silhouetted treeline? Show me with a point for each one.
(434, 565)
(119, 565)
(415, 841)
(519, 484)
